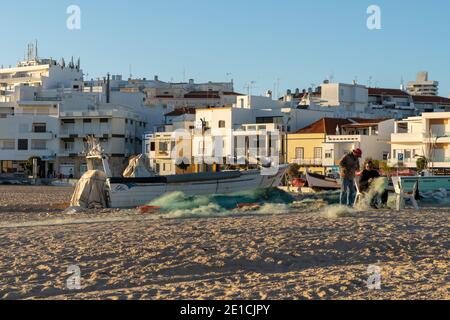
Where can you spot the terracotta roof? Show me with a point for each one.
(387, 92)
(431, 99)
(180, 112)
(324, 125)
(328, 125)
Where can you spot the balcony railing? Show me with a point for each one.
(83, 133)
(308, 162)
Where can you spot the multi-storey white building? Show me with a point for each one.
(422, 86)
(224, 129)
(427, 136)
(163, 97)
(29, 124)
(46, 112)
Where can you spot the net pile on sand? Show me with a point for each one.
(90, 191)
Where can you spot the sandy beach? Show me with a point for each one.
(300, 254)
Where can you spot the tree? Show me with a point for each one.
(421, 163)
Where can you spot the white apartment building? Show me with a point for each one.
(347, 97)
(371, 136)
(46, 112)
(395, 103)
(427, 135)
(225, 129)
(423, 86)
(29, 122)
(164, 97)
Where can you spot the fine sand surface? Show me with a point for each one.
(303, 254)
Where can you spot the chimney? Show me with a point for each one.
(108, 89)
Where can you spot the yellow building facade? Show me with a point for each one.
(305, 147)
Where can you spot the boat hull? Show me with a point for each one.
(425, 184)
(316, 181)
(134, 192)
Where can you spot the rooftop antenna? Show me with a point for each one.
(36, 51)
(249, 86)
(369, 82)
(229, 74)
(278, 87)
(131, 71)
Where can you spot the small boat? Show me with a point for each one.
(318, 181)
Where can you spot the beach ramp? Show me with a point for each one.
(90, 191)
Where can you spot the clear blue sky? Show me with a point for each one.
(298, 41)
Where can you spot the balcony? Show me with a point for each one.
(40, 135)
(81, 133)
(409, 137)
(308, 162)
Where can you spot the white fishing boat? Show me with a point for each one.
(318, 181)
(121, 192)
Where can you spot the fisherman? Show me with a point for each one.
(368, 176)
(348, 165)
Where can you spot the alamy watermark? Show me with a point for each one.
(226, 147)
(374, 19)
(374, 280)
(74, 20)
(74, 281)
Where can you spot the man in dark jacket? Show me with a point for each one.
(368, 175)
(348, 165)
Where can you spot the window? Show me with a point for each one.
(22, 144)
(317, 153)
(87, 120)
(68, 146)
(104, 120)
(407, 154)
(38, 145)
(163, 147)
(221, 124)
(328, 155)
(39, 127)
(152, 146)
(299, 153)
(385, 156)
(7, 144)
